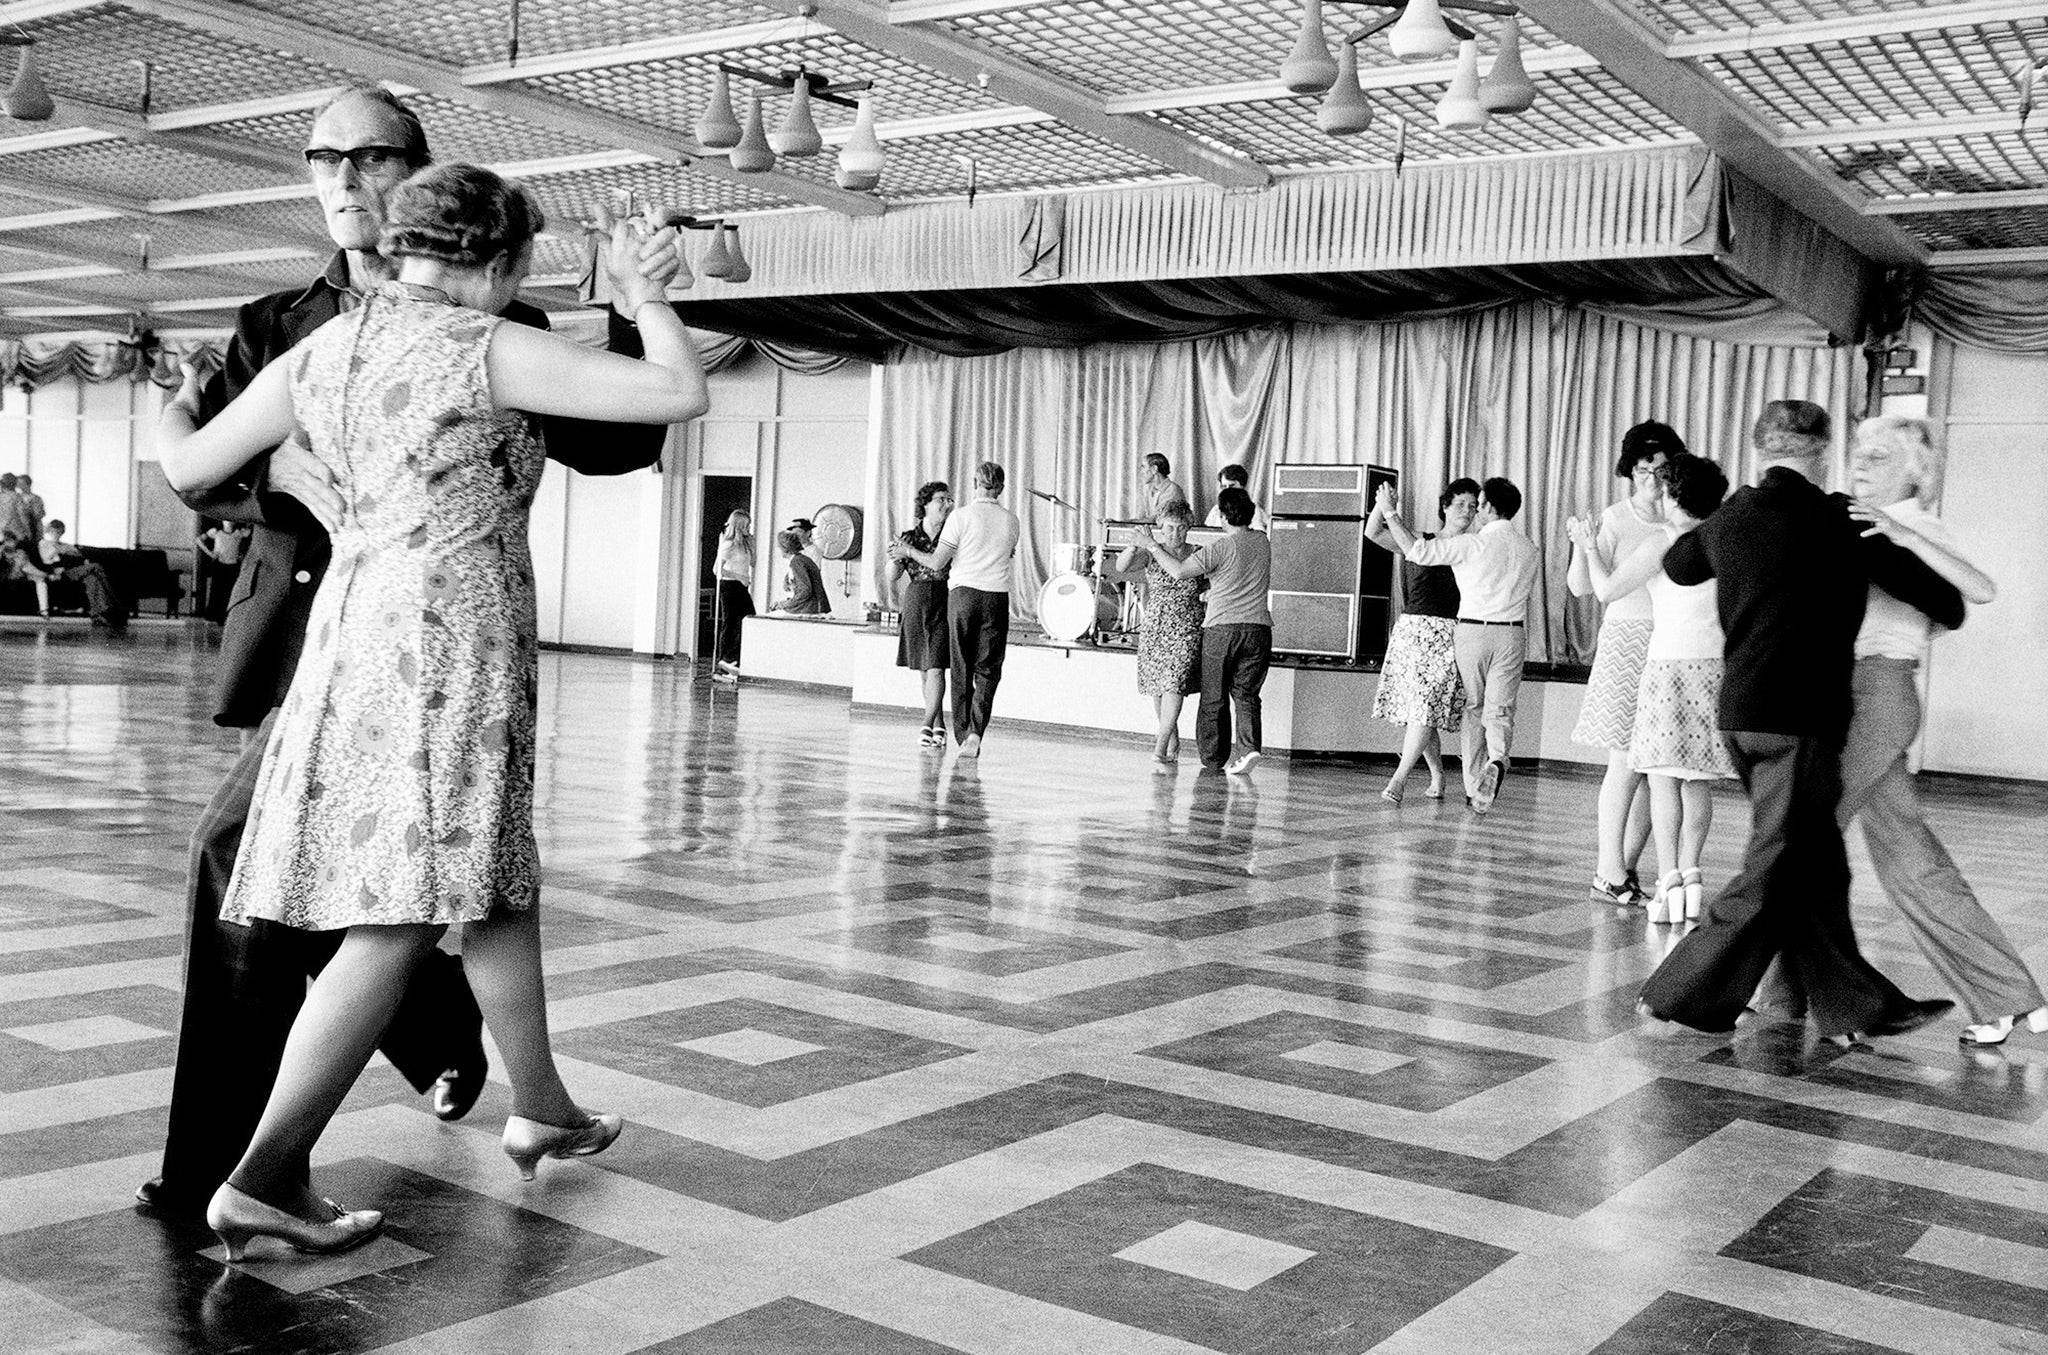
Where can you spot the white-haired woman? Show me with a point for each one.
(1894, 473)
(396, 793)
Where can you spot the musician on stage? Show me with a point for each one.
(1155, 474)
(1235, 476)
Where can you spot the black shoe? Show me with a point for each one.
(1913, 1016)
(454, 1093)
(154, 1196)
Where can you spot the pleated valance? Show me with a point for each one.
(1493, 216)
(1998, 306)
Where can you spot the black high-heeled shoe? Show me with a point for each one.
(237, 1216)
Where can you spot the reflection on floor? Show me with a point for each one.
(1042, 1053)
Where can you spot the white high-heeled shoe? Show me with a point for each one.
(1669, 901)
(1695, 894)
(1994, 1032)
(528, 1141)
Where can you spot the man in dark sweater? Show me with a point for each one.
(1794, 570)
(244, 984)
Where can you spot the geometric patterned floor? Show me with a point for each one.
(1042, 1053)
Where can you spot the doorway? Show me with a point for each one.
(723, 494)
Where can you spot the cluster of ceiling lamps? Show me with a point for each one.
(28, 98)
(752, 149)
(1418, 32)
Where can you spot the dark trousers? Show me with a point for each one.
(735, 604)
(102, 603)
(978, 628)
(243, 988)
(1234, 662)
(1791, 899)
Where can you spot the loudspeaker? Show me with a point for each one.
(1315, 595)
(1301, 490)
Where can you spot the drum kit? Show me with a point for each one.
(1077, 605)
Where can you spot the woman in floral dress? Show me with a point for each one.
(396, 793)
(1170, 636)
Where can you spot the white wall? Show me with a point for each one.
(83, 442)
(1987, 687)
(804, 442)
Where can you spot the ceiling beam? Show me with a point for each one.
(1746, 142)
(71, 195)
(1972, 258)
(705, 43)
(868, 23)
(1819, 32)
(543, 110)
(120, 124)
(1960, 202)
(1902, 129)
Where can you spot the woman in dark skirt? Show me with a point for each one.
(921, 643)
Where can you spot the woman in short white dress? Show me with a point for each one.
(1676, 739)
(1608, 713)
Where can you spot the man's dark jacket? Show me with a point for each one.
(1793, 571)
(273, 597)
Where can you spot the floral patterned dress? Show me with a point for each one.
(1170, 640)
(397, 786)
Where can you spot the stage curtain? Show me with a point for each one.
(1537, 393)
(1998, 306)
(1689, 293)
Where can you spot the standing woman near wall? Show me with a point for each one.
(1609, 711)
(735, 570)
(921, 640)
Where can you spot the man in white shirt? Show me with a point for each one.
(1155, 474)
(1234, 476)
(1495, 566)
(979, 544)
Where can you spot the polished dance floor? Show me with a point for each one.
(1047, 1053)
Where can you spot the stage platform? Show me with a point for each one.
(1312, 709)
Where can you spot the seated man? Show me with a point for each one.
(62, 560)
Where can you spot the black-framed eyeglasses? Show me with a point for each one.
(326, 161)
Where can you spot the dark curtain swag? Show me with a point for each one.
(977, 322)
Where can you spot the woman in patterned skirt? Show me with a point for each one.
(1676, 739)
(1170, 636)
(396, 793)
(1608, 712)
(1419, 682)
(921, 639)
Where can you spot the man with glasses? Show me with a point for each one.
(244, 984)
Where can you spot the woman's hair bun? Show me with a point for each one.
(459, 214)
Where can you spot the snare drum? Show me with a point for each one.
(1066, 607)
(1071, 558)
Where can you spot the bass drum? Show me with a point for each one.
(1066, 607)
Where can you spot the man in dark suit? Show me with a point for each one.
(244, 984)
(1794, 570)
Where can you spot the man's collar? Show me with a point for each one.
(333, 278)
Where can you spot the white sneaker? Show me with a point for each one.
(971, 746)
(728, 666)
(1242, 764)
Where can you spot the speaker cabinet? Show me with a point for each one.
(1315, 596)
(1301, 490)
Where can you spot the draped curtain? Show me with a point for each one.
(1997, 306)
(1538, 393)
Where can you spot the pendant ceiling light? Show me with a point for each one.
(717, 260)
(1421, 34)
(738, 270)
(718, 129)
(684, 278)
(861, 159)
(798, 134)
(1459, 109)
(1344, 111)
(1507, 87)
(1309, 68)
(752, 153)
(28, 98)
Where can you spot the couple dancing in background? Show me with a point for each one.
(395, 793)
